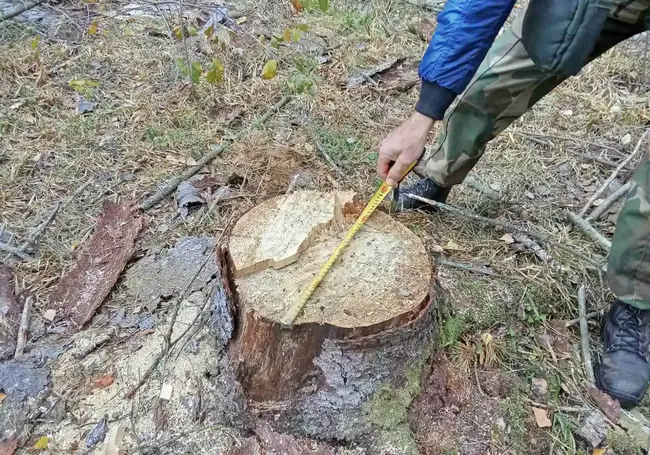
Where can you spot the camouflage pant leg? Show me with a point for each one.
(506, 85)
(628, 270)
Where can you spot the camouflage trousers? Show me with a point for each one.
(508, 84)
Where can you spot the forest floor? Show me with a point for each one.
(97, 104)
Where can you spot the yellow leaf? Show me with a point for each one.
(286, 36)
(270, 69)
(452, 246)
(241, 20)
(599, 451)
(92, 30)
(42, 443)
(209, 32)
(2, 397)
(177, 32)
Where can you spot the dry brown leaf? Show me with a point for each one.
(104, 381)
(2, 397)
(541, 418)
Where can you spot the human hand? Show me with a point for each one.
(403, 147)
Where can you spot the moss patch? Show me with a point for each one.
(388, 412)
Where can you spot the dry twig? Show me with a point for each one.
(24, 327)
(168, 344)
(584, 335)
(20, 10)
(472, 268)
(172, 185)
(607, 203)
(507, 226)
(590, 231)
(609, 180)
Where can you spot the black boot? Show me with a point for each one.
(425, 188)
(624, 371)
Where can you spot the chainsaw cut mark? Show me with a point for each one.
(275, 233)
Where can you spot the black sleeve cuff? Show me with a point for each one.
(434, 100)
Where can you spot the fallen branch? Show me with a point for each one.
(38, 232)
(15, 251)
(507, 226)
(607, 203)
(20, 10)
(609, 180)
(172, 185)
(588, 316)
(21, 341)
(538, 251)
(522, 239)
(590, 231)
(470, 267)
(584, 335)
(569, 138)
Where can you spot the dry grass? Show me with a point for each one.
(148, 122)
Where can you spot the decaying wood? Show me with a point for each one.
(21, 9)
(584, 335)
(101, 261)
(364, 328)
(167, 189)
(607, 203)
(590, 231)
(593, 428)
(609, 180)
(23, 329)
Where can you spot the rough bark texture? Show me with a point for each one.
(319, 380)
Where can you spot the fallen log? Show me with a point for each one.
(367, 328)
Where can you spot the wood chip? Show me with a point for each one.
(166, 391)
(541, 418)
(610, 407)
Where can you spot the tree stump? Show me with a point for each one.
(368, 327)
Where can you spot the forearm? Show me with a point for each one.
(466, 30)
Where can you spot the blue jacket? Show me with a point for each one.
(466, 30)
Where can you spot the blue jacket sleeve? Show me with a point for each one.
(466, 30)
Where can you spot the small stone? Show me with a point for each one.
(501, 424)
(166, 391)
(539, 387)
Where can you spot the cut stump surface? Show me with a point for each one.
(368, 326)
(278, 248)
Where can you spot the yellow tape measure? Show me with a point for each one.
(293, 312)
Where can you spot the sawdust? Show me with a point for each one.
(383, 273)
(195, 398)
